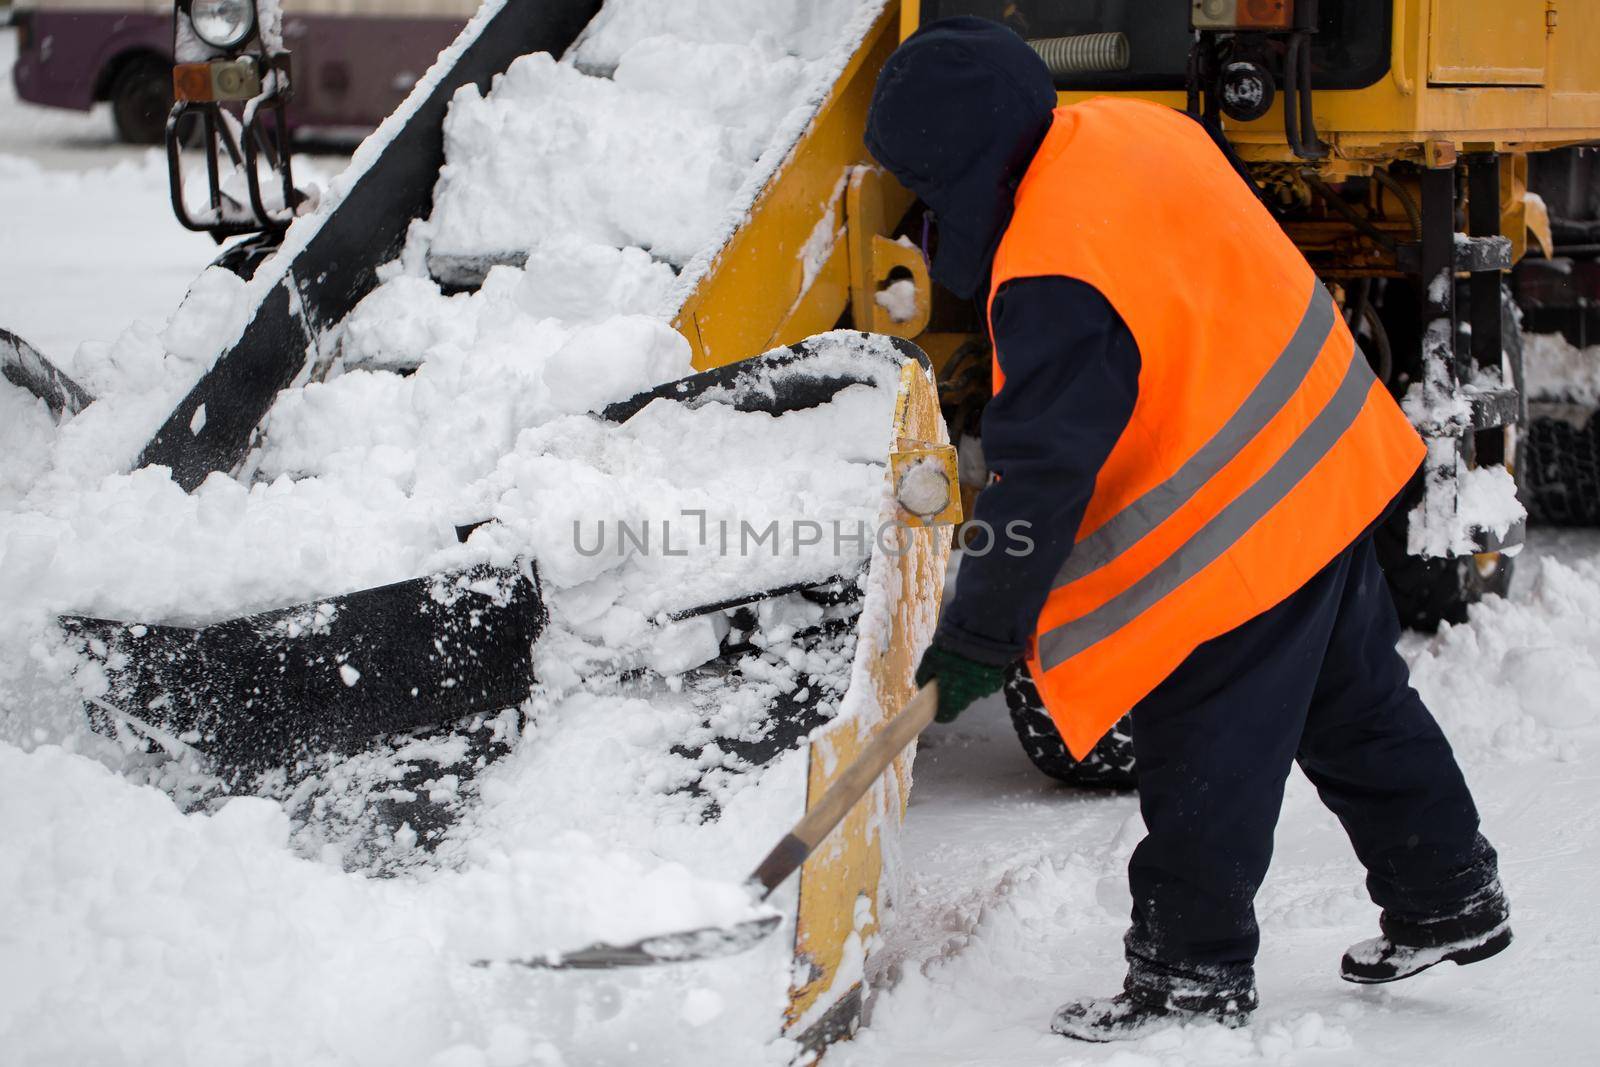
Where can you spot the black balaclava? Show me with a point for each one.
(957, 114)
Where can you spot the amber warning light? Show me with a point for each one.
(221, 79)
(192, 81)
(1243, 14)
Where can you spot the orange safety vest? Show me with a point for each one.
(1261, 444)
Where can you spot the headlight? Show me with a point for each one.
(223, 23)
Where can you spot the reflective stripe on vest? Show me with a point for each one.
(1222, 532)
(1288, 372)
(1260, 446)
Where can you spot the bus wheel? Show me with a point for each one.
(1109, 765)
(141, 97)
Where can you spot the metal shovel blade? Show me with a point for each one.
(706, 943)
(713, 942)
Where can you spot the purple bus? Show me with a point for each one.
(353, 60)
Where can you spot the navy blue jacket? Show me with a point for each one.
(957, 115)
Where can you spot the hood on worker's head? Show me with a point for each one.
(957, 114)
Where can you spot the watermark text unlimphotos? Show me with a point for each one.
(692, 531)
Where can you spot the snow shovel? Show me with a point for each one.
(786, 857)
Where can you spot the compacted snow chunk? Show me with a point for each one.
(643, 136)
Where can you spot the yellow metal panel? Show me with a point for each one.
(910, 17)
(839, 884)
(754, 295)
(1487, 42)
(817, 309)
(1470, 113)
(1521, 109)
(1574, 27)
(874, 203)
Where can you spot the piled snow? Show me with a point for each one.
(363, 477)
(646, 135)
(137, 934)
(1485, 499)
(25, 428)
(1558, 371)
(616, 162)
(899, 299)
(1523, 677)
(587, 830)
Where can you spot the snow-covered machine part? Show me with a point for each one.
(736, 569)
(1461, 397)
(26, 367)
(799, 243)
(656, 106)
(751, 677)
(282, 686)
(231, 77)
(1560, 475)
(329, 260)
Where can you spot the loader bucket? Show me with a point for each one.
(294, 694)
(426, 655)
(752, 292)
(895, 598)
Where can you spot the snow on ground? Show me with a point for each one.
(1558, 371)
(1016, 897)
(127, 258)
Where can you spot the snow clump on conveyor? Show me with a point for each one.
(215, 929)
(643, 136)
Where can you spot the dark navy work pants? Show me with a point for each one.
(1316, 680)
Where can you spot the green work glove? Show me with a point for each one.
(961, 680)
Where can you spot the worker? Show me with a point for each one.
(1198, 451)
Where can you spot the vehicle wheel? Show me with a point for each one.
(1109, 765)
(1560, 473)
(1428, 592)
(141, 97)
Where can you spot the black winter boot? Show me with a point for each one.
(1127, 1015)
(1406, 948)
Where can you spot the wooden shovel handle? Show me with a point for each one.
(851, 785)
